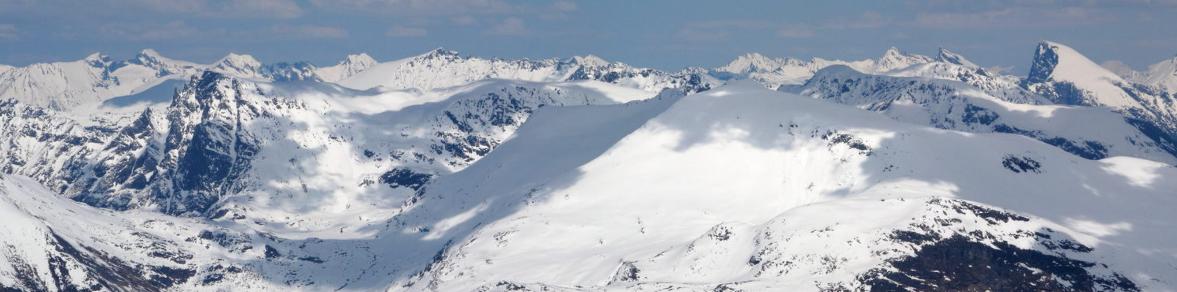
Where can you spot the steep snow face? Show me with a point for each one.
(744, 188)
(953, 105)
(350, 66)
(442, 68)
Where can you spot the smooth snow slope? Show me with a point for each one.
(803, 189)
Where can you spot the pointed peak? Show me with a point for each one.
(1055, 62)
(1045, 59)
(896, 53)
(948, 56)
(894, 58)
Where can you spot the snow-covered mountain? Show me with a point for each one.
(98, 79)
(955, 105)
(953, 66)
(776, 72)
(1162, 74)
(350, 66)
(226, 136)
(741, 188)
(1065, 76)
(444, 172)
(442, 68)
(736, 188)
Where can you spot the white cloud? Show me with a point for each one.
(512, 26)
(404, 31)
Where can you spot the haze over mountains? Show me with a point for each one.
(449, 172)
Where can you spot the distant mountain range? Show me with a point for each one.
(455, 173)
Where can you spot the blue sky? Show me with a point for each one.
(659, 34)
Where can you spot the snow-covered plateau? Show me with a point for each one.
(446, 172)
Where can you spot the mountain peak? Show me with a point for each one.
(239, 65)
(148, 57)
(948, 56)
(893, 59)
(1163, 74)
(440, 52)
(1050, 56)
(590, 60)
(149, 53)
(1089, 83)
(358, 59)
(750, 62)
(239, 61)
(97, 59)
(1045, 59)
